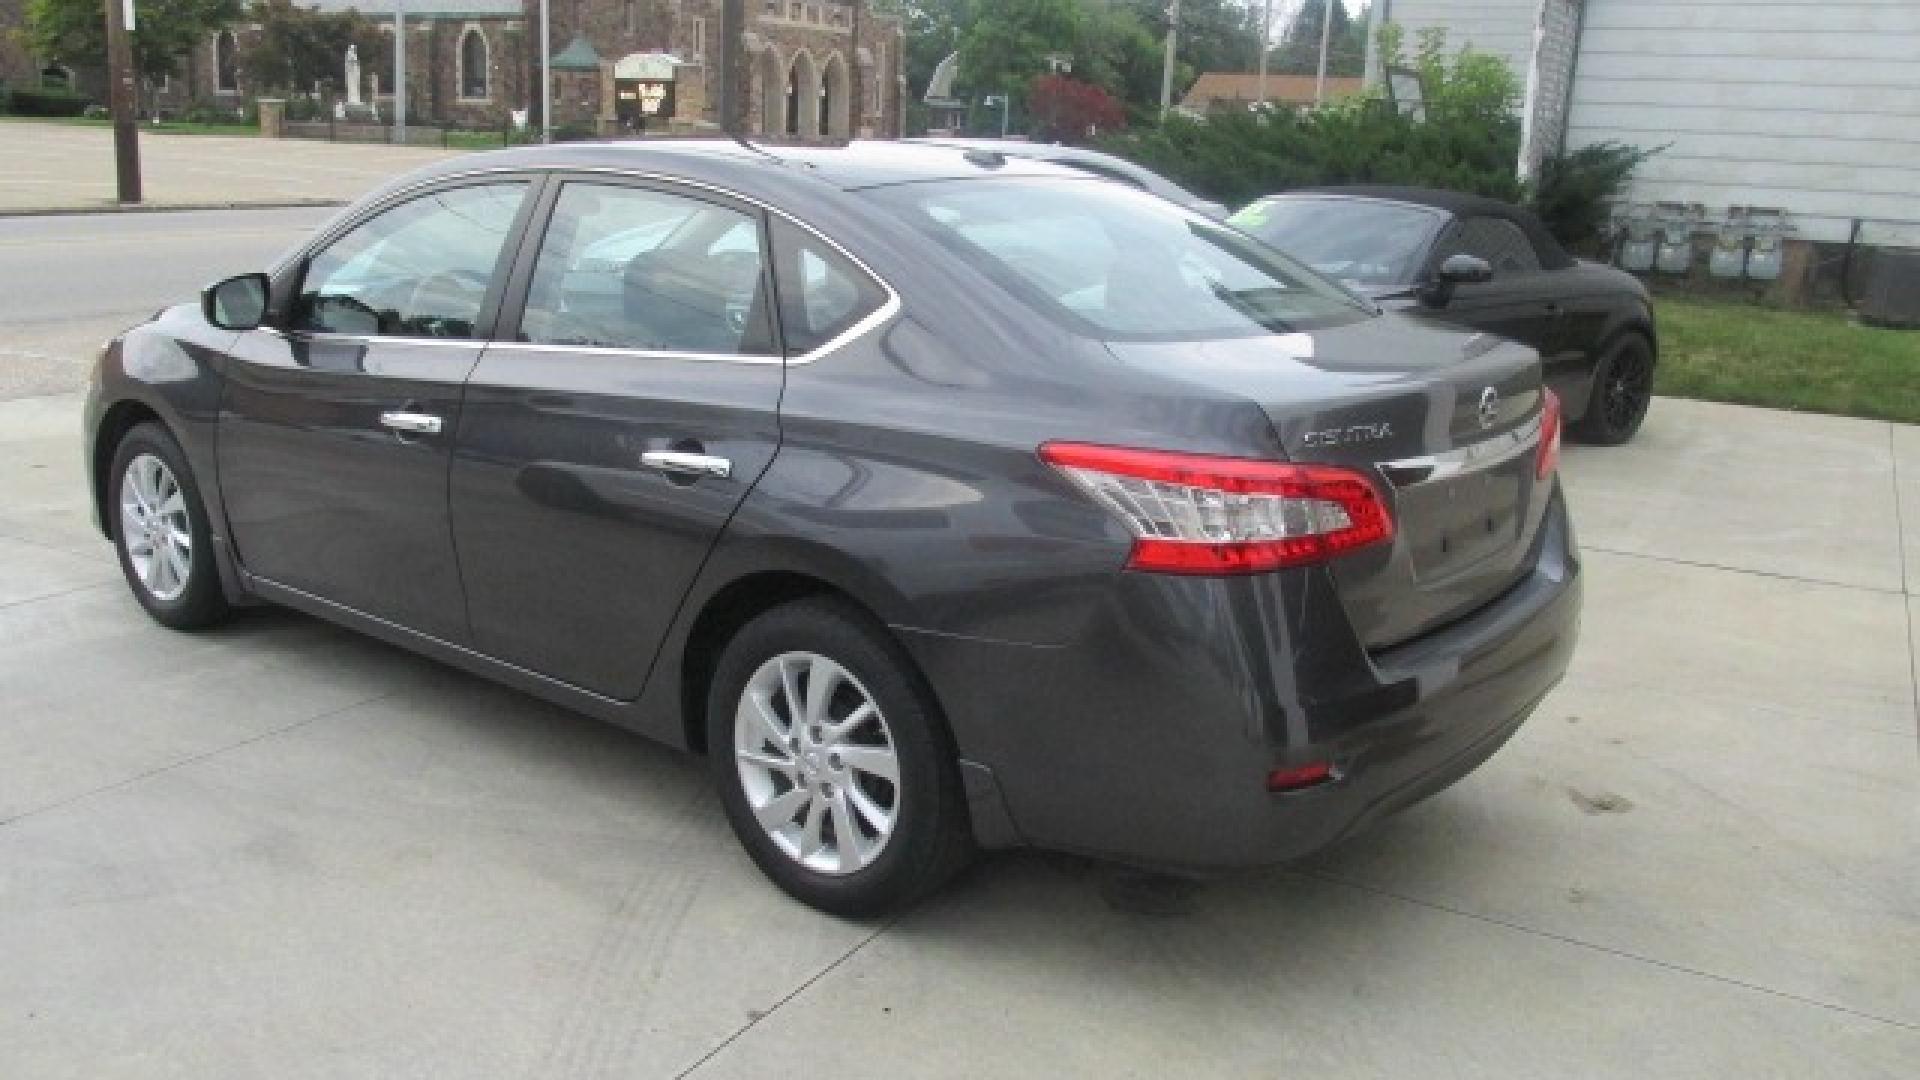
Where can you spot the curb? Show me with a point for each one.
(167, 208)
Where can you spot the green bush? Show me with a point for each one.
(49, 103)
(1467, 140)
(1573, 194)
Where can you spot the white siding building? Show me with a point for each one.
(1808, 106)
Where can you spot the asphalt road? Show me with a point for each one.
(67, 283)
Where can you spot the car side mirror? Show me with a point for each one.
(1461, 269)
(238, 303)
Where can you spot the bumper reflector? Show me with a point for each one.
(1296, 777)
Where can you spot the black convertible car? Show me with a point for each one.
(1490, 266)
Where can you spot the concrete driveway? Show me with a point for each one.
(282, 850)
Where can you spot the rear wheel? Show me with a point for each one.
(1622, 390)
(833, 764)
(160, 529)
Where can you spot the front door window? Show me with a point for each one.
(420, 269)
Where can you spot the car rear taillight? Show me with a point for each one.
(1548, 456)
(1200, 514)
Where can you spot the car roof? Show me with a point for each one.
(1455, 203)
(753, 165)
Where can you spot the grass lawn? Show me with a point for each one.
(1810, 361)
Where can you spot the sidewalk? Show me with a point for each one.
(55, 167)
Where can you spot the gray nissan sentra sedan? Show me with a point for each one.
(942, 500)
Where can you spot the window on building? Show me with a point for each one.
(632, 17)
(473, 63)
(875, 102)
(56, 77)
(698, 43)
(226, 64)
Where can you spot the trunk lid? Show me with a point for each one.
(1446, 422)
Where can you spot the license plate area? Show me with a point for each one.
(1454, 524)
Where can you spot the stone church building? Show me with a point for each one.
(806, 70)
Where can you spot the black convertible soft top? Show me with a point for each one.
(1459, 204)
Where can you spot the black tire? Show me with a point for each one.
(1622, 390)
(201, 602)
(930, 839)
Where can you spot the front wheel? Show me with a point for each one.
(1622, 390)
(834, 766)
(160, 528)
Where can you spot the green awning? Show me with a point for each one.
(578, 56)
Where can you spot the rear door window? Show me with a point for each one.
(655, 271)
(822, 293)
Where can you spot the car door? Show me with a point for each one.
(632, 401)
(1520, 302)
(336, 420)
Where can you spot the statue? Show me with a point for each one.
(353, 75)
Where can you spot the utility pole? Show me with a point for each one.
(400, 71)
(1266, 43)
(1166, 70)
(546, 72)
(733, 111)
(1326, 33)
(123, 99)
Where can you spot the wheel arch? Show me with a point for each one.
(737, 603)
(118, 419)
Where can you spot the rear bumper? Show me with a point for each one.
(1149, 739)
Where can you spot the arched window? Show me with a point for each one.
(836, 120)
(473, 63)
(803, 97)
(226, 69)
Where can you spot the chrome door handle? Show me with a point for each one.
(412, 423)
(673, 461)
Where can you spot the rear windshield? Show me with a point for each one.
(1370, 247)
(1119, 264)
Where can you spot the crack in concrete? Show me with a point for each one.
(1609, 950)
(194, 759)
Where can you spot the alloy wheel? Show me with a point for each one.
(1629, 387)
(817, 763)
(154, 527)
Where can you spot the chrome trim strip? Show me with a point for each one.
(645, 354)
(883, 314)
(1460, 461)
(373, 339)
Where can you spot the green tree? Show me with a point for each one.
(75, 31)
(932, 33)
(1116, 52)
(300, 48)
(1299, 51)
(1215, 35)
(1005, 43)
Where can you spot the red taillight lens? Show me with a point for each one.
(1199, 514)
(1549, 452)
